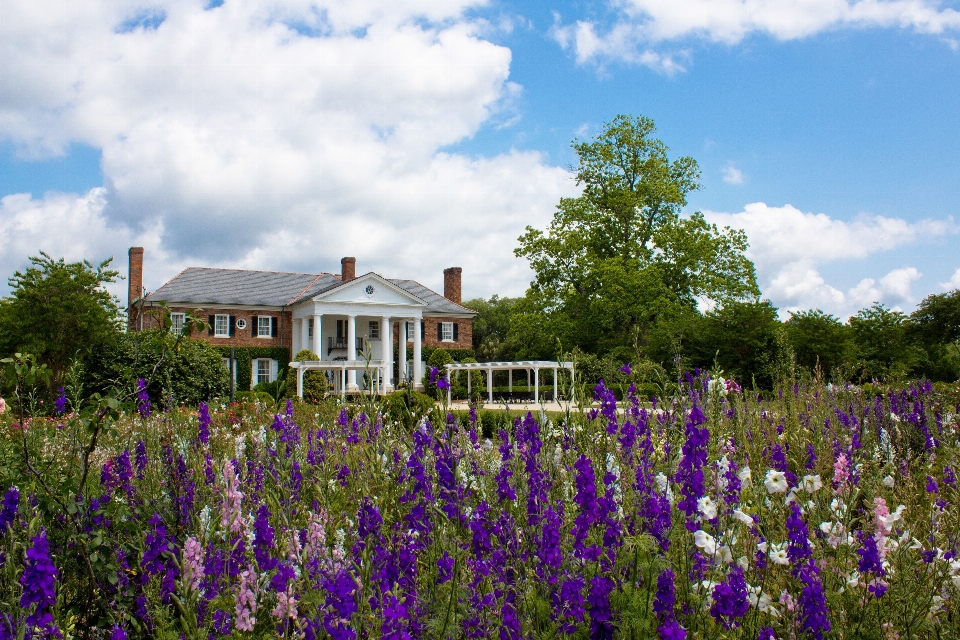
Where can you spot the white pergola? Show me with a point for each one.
(377, 369)
(522, 365)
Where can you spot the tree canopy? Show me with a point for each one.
(621, 254)
(59, 310)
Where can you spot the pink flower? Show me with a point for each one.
(3, 406)
(286, 605)
(246, 608)
(231, 517)
(193, 563)
(841, 473)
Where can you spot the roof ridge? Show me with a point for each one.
(305, 289)
(292, 273)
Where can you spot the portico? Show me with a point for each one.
(353, 325)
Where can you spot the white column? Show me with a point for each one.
(536, 385)
(352, 350)
(300, 379)
(317, 335)
(417, 369)
(555, 384)
(490, 384)
(386, 339)
(510, 387)
(296, 338)
(304, 342)
(449, 386)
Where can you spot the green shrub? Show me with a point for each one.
(314, 382)
(185, 371)
(407, 407)
(251, 396)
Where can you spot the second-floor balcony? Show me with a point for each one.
(340, 343)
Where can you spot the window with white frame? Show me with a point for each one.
(409, 326)
(176, 322)
(374, 333)
(446, 331)
(264, 326)
(310, 328)
(264, 370)
(221, 325)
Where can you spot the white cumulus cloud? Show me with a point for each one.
(953, 282)
(279, 135)
(643, 25)
(732, 175)
(789, 246)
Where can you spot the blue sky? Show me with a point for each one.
(431, 133)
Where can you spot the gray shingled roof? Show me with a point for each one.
(200, 285)
(436, 303)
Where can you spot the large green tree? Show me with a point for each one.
(819, 340)
(491, 327)
(59, 310)
(620, 255)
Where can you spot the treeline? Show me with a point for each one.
(747, 340)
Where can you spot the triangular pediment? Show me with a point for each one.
(370, 288)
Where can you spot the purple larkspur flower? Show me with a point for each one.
(39, 582)
(730, 601)
(625, 369)
(263, 539)
(690, 470)
(60, 404)
(932, 485)
(671, 630)
(118, 633)
(8, 508)
(445, 566)
(143, 399)
(203, 429)
(665, 599)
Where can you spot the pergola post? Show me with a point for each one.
(490, 383)
(468, 385)
(300, 381)
(555, 384)
(510, 387)
(449, 389)
(536, 385)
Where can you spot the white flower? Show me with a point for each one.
(726, 556)
(888, 481)
(740, 516)
(778, 555)
(705, 541)
(762, 546)
(775, 482)
(707, 507)
(937, 604)
(745, 476)
(811, 483)
(661, 482)
(743, 563)
(854, 579)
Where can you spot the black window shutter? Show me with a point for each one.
(423, 329)
(211, 320)
(439, 331)
(456, 333)
(273, 326)
(254, 323)
(232, 325)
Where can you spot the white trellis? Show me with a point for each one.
(376, 369)
(521, 365)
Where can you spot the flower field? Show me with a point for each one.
(817, 513)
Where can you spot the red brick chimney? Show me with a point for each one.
(451, 284)
(135, 281)
(348, 269)
(134, 285)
